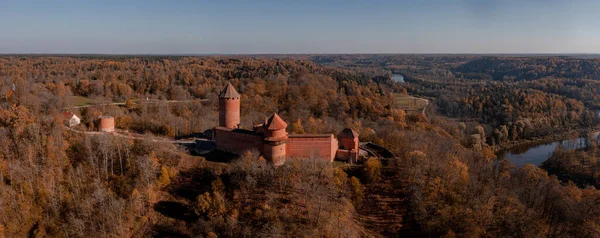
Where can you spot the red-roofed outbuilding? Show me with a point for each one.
(70, 119)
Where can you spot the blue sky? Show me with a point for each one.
(303, 26)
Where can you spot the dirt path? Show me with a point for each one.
(426, 104)
(128, 135)
(151, 101)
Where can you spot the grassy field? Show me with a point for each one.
(410, 104)
(74, 101)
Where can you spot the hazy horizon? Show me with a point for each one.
(307, 27)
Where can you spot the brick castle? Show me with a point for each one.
(272, 140)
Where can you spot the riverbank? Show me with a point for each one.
(576, 169)
(546, 139)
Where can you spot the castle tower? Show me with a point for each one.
(348, 139)
(229, 107)
(275, 140)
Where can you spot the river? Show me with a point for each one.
(398, 78)
(538, 153)
(533, 153)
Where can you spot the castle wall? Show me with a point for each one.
(349, 143)
(237, 141)
(320, 146)
(334, 147)
(347, 155)
(342, 154)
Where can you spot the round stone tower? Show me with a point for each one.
(229, 107)
(106, 123)
(275, 140)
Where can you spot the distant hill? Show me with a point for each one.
(530, 68)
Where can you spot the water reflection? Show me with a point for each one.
(398, 78)
(538, 153)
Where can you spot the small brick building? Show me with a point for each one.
(272, 140)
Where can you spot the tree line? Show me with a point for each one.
(57, 183)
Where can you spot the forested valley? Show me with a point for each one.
(513, 99)
(446, 179)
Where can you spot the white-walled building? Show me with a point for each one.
(71, 119)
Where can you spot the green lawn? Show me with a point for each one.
(78, 101)
(409, 103)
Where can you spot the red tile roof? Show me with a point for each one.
(229, 92)
(68, 115)
(275, 123)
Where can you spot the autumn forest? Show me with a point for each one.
(445, 179)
